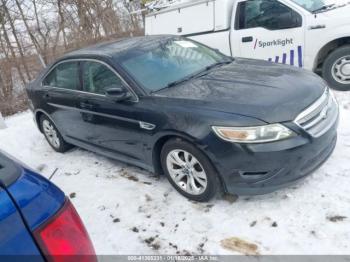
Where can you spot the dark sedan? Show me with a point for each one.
(173, 106)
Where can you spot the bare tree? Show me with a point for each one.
(48, 28)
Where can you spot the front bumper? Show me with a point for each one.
(263, 168)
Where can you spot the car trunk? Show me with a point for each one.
(15, 238)
(29, 191)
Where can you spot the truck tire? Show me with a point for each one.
(336, 69)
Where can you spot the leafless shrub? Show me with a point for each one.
(33, 33)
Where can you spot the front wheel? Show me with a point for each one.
(336, 69)
(189, 170)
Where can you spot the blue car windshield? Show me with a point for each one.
(159, 64)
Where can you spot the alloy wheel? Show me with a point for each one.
(51, 134)
(187, 172)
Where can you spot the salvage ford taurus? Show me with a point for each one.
(171, 105)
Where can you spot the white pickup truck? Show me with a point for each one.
(313, 34)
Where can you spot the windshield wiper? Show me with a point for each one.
(195, 75)
(218, 64)
(323, 8)
(185, 79)
(200, 73)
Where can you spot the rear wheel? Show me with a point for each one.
(189, 170)
(52, 135)
(336, 69)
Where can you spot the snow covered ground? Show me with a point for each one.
(129, 211)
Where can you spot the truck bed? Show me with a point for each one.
(190, 18)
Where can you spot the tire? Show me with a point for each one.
(191, 175)
(53, 136)
(337, 67)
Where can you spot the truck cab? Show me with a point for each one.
(314, 34)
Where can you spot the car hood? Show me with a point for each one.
(267, 91)
(343, 11)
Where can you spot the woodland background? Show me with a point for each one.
(33, 33)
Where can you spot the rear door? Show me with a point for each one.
(62, 85)
(268, 30)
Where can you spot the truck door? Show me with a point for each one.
(268, 30)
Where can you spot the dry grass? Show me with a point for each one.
(14, 104)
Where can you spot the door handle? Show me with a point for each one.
(247, 39)
(86, 105)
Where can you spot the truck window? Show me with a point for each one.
(269, 14)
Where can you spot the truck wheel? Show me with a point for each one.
(336, 69)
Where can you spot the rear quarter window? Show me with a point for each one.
(64, 75)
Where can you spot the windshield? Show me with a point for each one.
(315, 5)
(159, 64)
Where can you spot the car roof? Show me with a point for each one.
(115, 47)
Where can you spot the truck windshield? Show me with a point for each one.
(315, 6)
(161, 64)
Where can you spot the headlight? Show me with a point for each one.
(256, 134)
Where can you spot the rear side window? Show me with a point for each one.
(98, 78)
(64, 75)
(269, 14)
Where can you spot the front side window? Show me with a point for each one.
(155, 65)
(269, 14)
(64, 75)
(98, 78)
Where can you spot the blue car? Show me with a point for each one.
(37, 221)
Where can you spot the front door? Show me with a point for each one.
(268, 30)
(108, 125)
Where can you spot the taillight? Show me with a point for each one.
(64, 237)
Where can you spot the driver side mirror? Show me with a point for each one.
(118, 94)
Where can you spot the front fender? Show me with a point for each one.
(194, 126)
(331, 37)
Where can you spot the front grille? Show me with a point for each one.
(318, 118)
